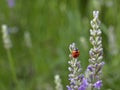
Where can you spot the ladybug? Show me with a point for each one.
(75, 53)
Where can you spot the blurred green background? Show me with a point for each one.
(53, 25)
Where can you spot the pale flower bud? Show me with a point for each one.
(6, 37)
(58, 83)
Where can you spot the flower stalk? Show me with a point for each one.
(75, 69)
(94, 69)
(8, 45)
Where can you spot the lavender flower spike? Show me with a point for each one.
(75, 75)
(6, 37)
(94, 70)
(58, 83)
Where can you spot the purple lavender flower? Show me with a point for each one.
(11, 3)
(99, 66)
(75, 75)
(98, 84)
(81, 88)
(83, 85)
(84, 82)
(68, 87)
(90, 68)
(94, 69)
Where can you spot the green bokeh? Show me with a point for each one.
(53, 25)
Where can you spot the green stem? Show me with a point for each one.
(12, 67)
(92, 88)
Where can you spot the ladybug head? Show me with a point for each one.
(76, 49)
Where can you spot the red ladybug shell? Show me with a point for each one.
(75, 53)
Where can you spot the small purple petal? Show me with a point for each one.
(84, 84)
(72, 83)
(90, 68)
(102, 63)
(99, 66)
(81, 88)
(68, 87)
(98, 84)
